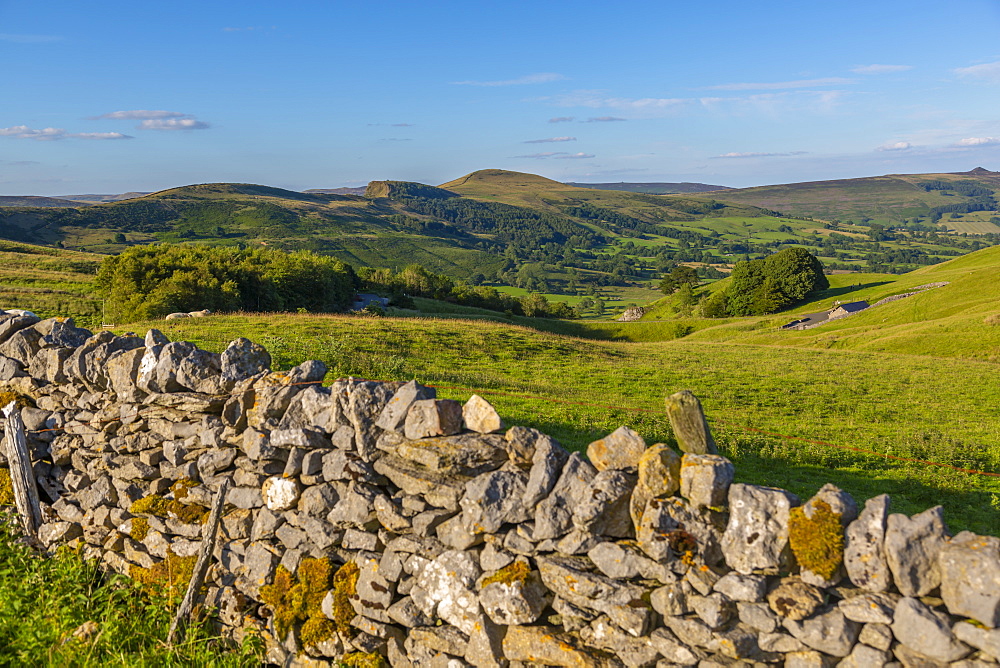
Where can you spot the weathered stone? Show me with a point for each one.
(779, 642)
(715, 610)
(692, 632)
(863, 656)
(465, 454)
(318, 500)
(280, 493)
(659, 475)
(986, 640)
(215, 460)
(365, 401)
(547, 461)
(926, 631)
(669, 600)
(493, 499)
(309, 409)
(626, 560)
(306, 439)
(705, 479)
(199, 371)
(621, 449)
(620, 601)
(604, 508)
(670, 528)
(834, 500)
(757, 616)
(829, 632)
(11, 325)
(672, 649)
(864, 550)
(485, 646)
(633, 652)
(869, 608)
(242, 359)
(688, 422)
(479, 415)
(757, 534)
(912, 545)
(554, 514)
(393, 415)
(258, 567)
(794, 599)
(448, 581)
(878, 636)
(406, 613)
(970, 577)
(51, 533)
(245, 497)
(374, 594)
(440, 489)
(740, 587)
(517, 596)
(433, 417)
(548, 646)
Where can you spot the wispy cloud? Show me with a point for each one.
(541, 156)
(28, 39)
(402, 125)
(604, 119)
(52, 134)
(561, 119)
(880, 69)
(542, 77)
(173, 124)
(896, 146)
(987, 72)
(550, 140)
(758, 155)
(785, 85)
(140, 114)
(970, 142)
(576, 156)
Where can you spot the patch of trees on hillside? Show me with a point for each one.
(148, 282)
(759, 287)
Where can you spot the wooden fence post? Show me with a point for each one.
(22, 475)
(208, 537)
(689, 424)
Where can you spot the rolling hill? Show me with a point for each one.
(887, 200)
(652, 188)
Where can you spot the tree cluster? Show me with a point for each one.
(147, 282)
(767, 285)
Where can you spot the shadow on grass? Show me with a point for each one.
(837, 292)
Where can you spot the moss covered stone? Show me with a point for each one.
(139, 528)
(6, 488)
(169, 577)
(345, 587)
(818, 541)
(159, 506)
(294, 599)
(517, 571)
(363, 660)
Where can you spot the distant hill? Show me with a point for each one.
(32, 200)
(336, 191)
(887, 200)
(652, 188)
(103, 198)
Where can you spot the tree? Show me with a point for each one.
(775, 282)
(120, 238)
(678, 276)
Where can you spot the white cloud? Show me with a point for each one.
(541, 156)
(173, 124)
(880, 69)
(759, 155)
(100, 135)
(543, 77)
(28, 39)
(977, 141)
(986, 71)
(896, 146)
(785, 85)
(604, 119)
(576, 156)
(24, 132)
(561, 119)
(550, 140)
(51, 134)
(141, 114)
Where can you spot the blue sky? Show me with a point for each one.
(110, 97)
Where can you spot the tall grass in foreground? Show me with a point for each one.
(43, 600)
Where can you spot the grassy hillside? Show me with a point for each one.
(49, 282)
(652, 188)
(887, 199)
(912, 406)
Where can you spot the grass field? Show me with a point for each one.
(944, 410)
(49, 281)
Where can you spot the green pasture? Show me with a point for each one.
(944, 410)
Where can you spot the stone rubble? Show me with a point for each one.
(428, 533)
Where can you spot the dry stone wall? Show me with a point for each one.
(372, 522)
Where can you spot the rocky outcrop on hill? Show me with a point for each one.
(632, 313)
(369, 519)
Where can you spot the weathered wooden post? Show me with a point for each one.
(689, 424)
(22, 476)
(208, 536)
